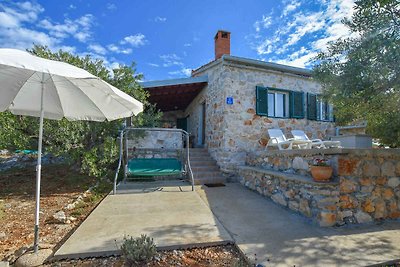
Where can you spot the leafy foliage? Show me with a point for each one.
(361, 74)
(138, 250)
(91, 144)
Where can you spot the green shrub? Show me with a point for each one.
(138, 250)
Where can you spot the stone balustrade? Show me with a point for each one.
(365, 186)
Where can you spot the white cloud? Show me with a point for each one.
(153, 65)
(264, 23)
(160, 19)
(71, 6)
(79, 28)
(171, 60)
(187, 45)
(290, 7)
(97, 49)
(111, 6)
(119, 50)
(184, 71)
(304, 29)
(135, 40)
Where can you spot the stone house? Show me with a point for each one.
(228, 104)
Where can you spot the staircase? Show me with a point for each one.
(205, 169)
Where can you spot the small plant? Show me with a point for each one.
(320, 162)
(138, 250)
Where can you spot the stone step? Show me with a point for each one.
(202, 164)
(201, 158)
(202, 168)
(201, 153)
(205, 174)
(209, 180)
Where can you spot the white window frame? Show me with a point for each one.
(286, 103)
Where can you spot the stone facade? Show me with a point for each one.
(233, 130)
(366, 186)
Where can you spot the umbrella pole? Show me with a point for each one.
(38, 172)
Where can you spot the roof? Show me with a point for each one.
(160, 83)
(255, 63)
(174, 94)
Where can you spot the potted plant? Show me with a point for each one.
(321, 171)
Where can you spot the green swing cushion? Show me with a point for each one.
(154, 167)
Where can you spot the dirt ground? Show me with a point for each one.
(61, 186)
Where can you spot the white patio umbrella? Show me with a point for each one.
(38, 87)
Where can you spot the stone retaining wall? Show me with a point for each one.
(365, 188)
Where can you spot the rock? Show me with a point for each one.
(327, 219)
(20, 251)
(4, 152)
(294, 205)
(387, 193)
(368, 206)
(4, 264)
(304, 207)
(398, 168)
(363, 217)
(60, 216)
(371, 169)
(388, 169)
(70, 206)
(300, 164)
(380, 209)
(347, 166)
(347, 186)
(365, 181)
(393, 182)
(381, 180)
(3, 236)
(279, 198)
(347, 202)
(32, 259)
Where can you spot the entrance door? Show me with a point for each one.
(182, 124)
(202, 125)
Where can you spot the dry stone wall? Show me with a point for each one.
(366, 186)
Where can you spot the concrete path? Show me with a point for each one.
(167, 211)
(278, 237)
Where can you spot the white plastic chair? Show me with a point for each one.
(315, 143)
(277, 138)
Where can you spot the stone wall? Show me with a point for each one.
(154, 140)
(313, 200)
(246, 131)
(234, 130)
(169, 118)
(365, 187)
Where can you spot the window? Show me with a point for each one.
(279, 103)
(324, 110)
(318, 108)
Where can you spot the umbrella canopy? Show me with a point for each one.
(69, 91)
(44, 88)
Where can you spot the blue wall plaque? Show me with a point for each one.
(229, 100)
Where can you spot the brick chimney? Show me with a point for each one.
(222, 44)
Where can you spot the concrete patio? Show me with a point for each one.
(176, 217)
(278, 237)
(168, 211)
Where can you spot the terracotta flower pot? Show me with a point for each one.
(321, 173)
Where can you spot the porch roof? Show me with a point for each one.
(174, 94)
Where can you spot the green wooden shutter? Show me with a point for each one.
(311, 106)
(296, 105)
(261, 101)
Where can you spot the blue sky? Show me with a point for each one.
(168, 38)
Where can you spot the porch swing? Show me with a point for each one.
(154, 152)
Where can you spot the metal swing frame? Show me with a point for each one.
(124, 157)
